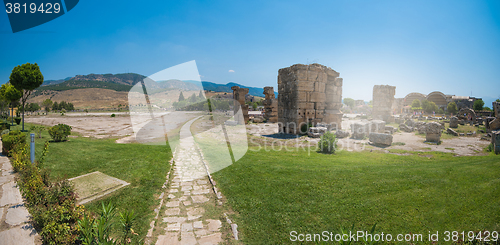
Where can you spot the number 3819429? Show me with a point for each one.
(47, 8)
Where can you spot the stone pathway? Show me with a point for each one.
(14, 217)
(189, 191)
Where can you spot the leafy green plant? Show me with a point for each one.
(113, 115)
(38, 130)
(327, 143)
(60, 132)
(9, 141)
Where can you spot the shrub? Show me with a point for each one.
(18, 120)
(38, 130)
(60, 132)
(9, 141)
(113, 115)
(327, 143)
(4, 125)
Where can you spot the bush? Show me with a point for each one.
(4, 125)
(18, 120)
(38, 130)
(327, 143)
(113, 115)
(60, 132)
(9, 141)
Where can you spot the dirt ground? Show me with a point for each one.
(102, 125)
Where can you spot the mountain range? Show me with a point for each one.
(125, 81)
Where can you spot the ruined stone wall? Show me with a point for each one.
(383, 99)
(239, 100)
(270, 105)
(308, 94)
(398, 105)
(496, 109)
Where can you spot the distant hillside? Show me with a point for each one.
(52, 82)
(227, 88)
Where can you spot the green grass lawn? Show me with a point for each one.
(276, 192)
(143, 166)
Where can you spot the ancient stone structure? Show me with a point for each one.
(433, 132)
(308, 94)
(341, 134)
(383, 99)
(495, 140)
(495, 123)
(270, 105)
(454, 122)
(362, 129)
(452, 132)
(389, 129)
(380, 139)
(467, 114)
(239, 100)
(316, 132)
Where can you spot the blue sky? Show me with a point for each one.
(417, 46)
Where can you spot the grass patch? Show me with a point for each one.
(276, 192)
(143, 166)
(398, 143)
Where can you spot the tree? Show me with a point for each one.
(349, 102)
(47, 104)
(11, 94)
(201, 95)
(181, 97)
(55, 106)
(192, 98)
(498, 100)
(452, 108)
(429, 106)
(26, 78)
(478, 105)
(34, 107)
(416, 104)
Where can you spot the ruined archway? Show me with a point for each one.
(466, 113)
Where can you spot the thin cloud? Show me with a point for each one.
(231, 71)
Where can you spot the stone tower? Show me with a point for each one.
(308, 94)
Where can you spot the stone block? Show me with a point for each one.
(495, 138)
(316, 132)
(306, 86)
(342, 134)
(381, 139)
(454, 122)
(319, 87)
(390, 129)
(317, 97)
(452, 132)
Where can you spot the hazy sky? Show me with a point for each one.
(418, 46)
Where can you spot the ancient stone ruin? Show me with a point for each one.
(239, 100)
(363, 129)
(380, 139)
(495, 123)
(308, 94)
(383, 99)
(270, 105)
(453, 122)
(433, 132)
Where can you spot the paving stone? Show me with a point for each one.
(191, 217)
(186, 183)
(187, 227)
(18, 235)
(215, 238)
(11, 194)
(170, 238)
(17, 215)
(5, 179)
(1, 213)
(202, 182)
(173, 190)
(174, 227)
(195, 211)
(187, 238)
(161, 195)
(187, 193)
(183, 198)
(174, 219)
(187, 203)
(151, 228)
(186, 188)
(171, 196)
(172, 204)
(198, 225)
(200, 192)
(200, 232)
(199, 199)
(214, 224)
(172, 211)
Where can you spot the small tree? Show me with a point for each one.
(47, 104)
(452, 108)
(60, 132)
(349, 102)
(201, 95)
(55, 106)
(11, 94)
(478, 105)
(181, 97)
(26, 78)
(416, 105)
(192, 98)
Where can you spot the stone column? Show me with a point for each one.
(383, 99)
(270, 105)
(239, 101)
